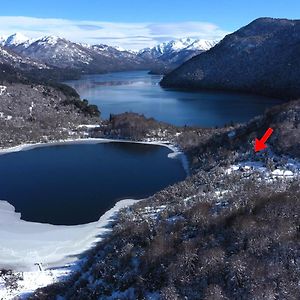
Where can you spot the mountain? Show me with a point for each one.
(261, 58)
(12, 59)
(14, 40)
(56, 52)
(61, 53)
(170, 55)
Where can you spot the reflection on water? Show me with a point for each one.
(140, 92)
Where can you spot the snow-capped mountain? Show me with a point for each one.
(176, 46)
(59, 52)
(170, 55)
(62, 53)
(15, 40)
(55, 51)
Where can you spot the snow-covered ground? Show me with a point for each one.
(28, 282)
(32, 247)
(2, 89)
(289, 170)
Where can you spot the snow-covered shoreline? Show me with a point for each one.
(17, 234)
(177, 153)
(44, 253)
(24, 244)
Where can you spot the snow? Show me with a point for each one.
(286, 171)
(88, 126)
(48, 40)
(180, 44)
(2, 89)
(5, 117)
(221, 193)
(10, 58)
(28, 247)
(188, 44)
(152, 212)
(202, 44)
(30, 281)
(31, 108)
(177, 153)
(231, 169)
(2, 40)
(16, 39)
(24, 244)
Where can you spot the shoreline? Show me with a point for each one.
(16, 231)
(177, 153)
(23, 244)
(62, 257)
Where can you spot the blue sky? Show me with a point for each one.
(133, 24)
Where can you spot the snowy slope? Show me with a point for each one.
(60, 52)
(16, 39)
(10, 58)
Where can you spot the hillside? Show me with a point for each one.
(32, 110)
(260, 58)
(229, 231)
(10, 58)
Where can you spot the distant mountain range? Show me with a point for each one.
(61, 53)
(52, 51)
(172, 54)
(261, 58)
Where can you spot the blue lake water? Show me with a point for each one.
(140, 92)
(76, 184)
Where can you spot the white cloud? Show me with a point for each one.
(126, 35)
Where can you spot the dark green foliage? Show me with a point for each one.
(83, 106)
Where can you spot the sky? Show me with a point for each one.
(137, 24)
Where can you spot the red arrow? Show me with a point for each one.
(260, 144)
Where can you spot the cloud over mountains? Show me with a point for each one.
(126, 35)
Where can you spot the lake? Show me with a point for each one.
(75, 184)
(137, 91)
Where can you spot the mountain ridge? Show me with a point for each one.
(260, 58)
(59, 52)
